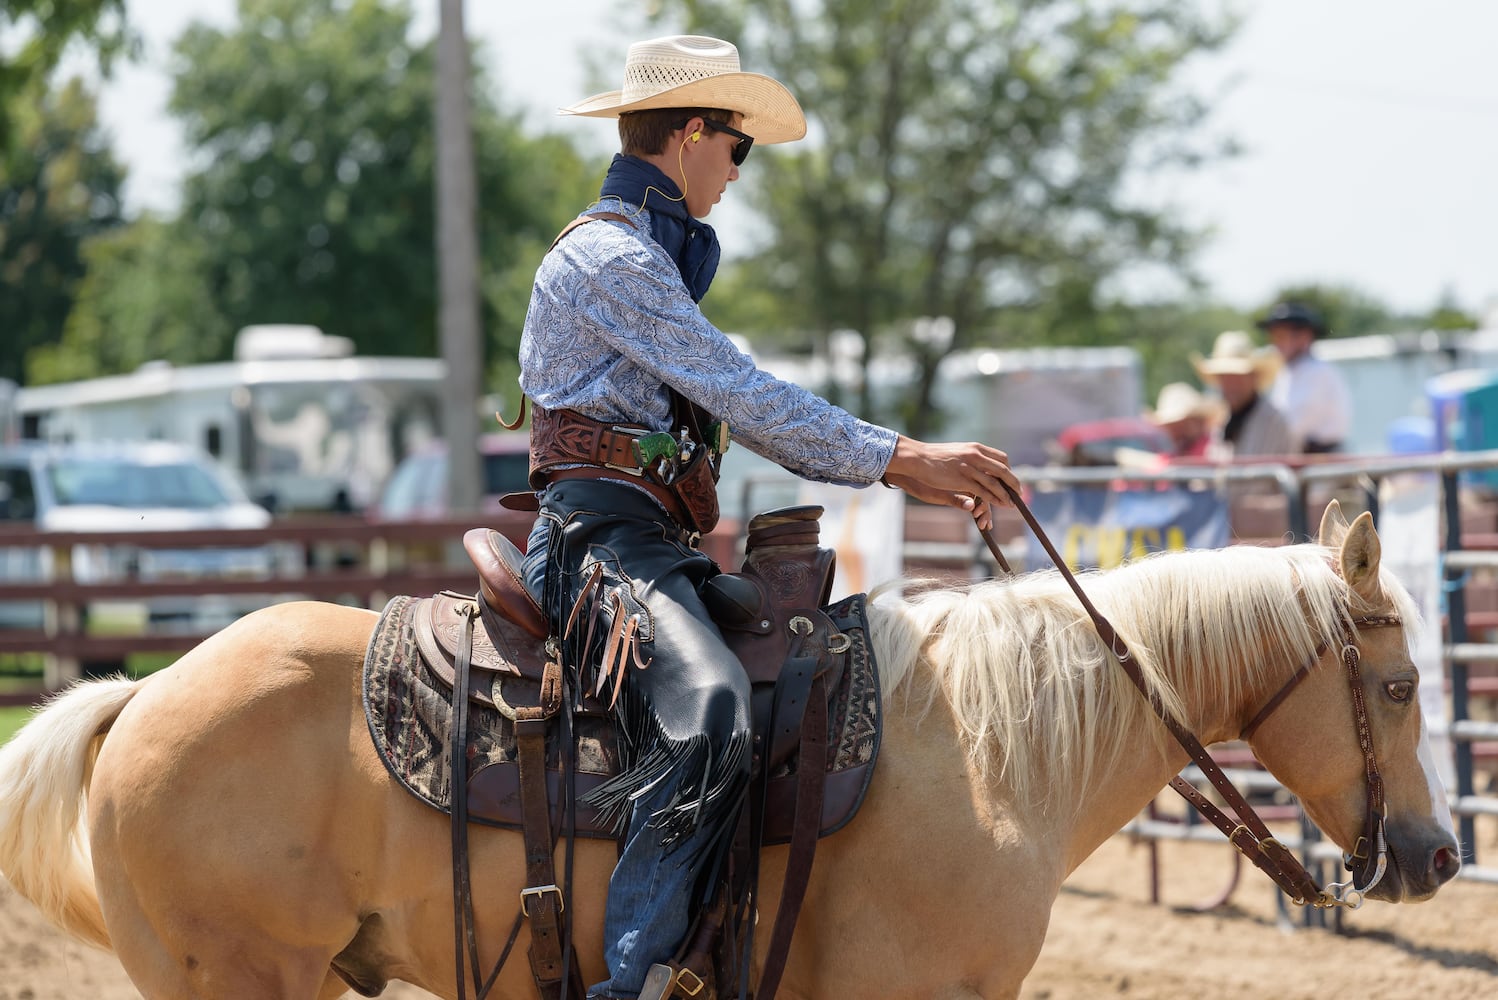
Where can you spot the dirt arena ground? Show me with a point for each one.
(1106, 940)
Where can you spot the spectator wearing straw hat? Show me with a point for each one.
(1308, 390)
(1241, 372)
(1188, 417)
(616, 353)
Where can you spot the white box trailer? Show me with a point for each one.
(305, 424)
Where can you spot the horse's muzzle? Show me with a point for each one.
(1420, 863)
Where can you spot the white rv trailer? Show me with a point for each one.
(303, 422)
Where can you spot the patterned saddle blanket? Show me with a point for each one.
(407, 684)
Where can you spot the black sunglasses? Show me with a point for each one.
(741, 148)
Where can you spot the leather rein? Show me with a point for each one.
(1368, 860)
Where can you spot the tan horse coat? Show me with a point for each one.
(241, 831)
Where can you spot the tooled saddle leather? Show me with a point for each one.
(785, 576)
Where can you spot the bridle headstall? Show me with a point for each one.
(1368, 860)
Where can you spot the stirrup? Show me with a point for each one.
(674, 982)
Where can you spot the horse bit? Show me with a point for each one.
(1250, 835)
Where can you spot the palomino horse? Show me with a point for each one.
(227, 829)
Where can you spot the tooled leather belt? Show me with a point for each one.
(568, 445)
(564, 437)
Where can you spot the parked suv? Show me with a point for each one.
(417, 489)
(120, 488)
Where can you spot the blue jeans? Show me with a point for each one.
(650, 897)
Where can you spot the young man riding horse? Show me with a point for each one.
(635, 392)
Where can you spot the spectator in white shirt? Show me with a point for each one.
(1310, 392)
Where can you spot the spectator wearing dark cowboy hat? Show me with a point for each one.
(1309, 391)
(1241, 372)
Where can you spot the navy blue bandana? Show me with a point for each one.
(692, 244)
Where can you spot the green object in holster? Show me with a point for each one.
(651, 448)
(717, 436)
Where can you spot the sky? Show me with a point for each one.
(1369, 131)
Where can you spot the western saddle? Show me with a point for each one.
(496, 647)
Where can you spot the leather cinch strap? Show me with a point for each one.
(811, 771)
(542, 899)
(553, 965)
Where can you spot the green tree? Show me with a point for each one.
(59, 185)
(315, 204)
(967, 159)
(142, 298)
(38, 32)
(1448, 315)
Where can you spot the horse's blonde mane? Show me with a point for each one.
(1034, 691)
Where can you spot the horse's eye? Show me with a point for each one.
(1400, 690)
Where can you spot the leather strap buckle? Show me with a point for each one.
(538, 891)
(664, 981)
(689, 982)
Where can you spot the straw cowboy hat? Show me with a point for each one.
(1234, 353)
(1179, 401)
(693, 71)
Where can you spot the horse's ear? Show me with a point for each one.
(1360, 556)
(1333, 525)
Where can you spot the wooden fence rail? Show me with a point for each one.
(344, 559)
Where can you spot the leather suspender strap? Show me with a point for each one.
(688, 492)
(684, 412)
(583, 220)
(587, 440)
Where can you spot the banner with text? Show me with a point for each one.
(1097, 528)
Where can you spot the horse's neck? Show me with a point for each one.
(1119, 792)
(1127, 783)
(932, 820)
(939, 783)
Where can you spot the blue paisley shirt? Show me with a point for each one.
(611, 325)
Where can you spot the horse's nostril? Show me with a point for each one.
(1446, 863)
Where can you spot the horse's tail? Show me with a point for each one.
(44, 774)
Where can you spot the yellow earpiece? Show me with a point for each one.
(696, 136)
